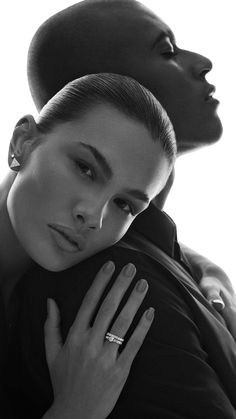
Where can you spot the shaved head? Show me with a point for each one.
(125, 37)
(85, 38)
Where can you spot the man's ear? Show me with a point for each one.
(24, 136)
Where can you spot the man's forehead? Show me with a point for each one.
(121, 19)
(140, 18)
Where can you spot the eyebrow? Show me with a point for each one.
(100, 159)
(136, 193)
(163, 35)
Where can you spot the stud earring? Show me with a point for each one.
(15, 165)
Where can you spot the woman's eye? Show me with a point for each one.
(84, 169)
(124, 206)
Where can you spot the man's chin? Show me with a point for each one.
(209, 137)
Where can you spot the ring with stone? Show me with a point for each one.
(113, 338)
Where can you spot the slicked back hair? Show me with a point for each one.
(123, 93)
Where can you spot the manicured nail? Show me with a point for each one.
(141, 285)
(218, 304)
(108, 267)
(129, 269)
(150, 313)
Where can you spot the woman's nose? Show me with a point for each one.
(89, 216)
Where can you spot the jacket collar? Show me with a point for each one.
(159, 228)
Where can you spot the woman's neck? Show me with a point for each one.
(14, 261)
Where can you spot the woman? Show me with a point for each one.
(90, 38)
(100, 151)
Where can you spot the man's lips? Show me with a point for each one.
(209, 93)
(67, 239)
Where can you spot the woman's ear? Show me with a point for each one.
(24, 136)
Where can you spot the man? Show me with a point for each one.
(186, 366)
(87, 38)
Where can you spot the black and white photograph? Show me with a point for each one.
(117, 210)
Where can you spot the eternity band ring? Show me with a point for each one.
(113, 338)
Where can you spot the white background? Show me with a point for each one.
(202, 200)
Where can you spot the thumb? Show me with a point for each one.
(214, 298)
(52, 334)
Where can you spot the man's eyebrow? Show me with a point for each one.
(164, 34)
(137, 194)
(103, 163)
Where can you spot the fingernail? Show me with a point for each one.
(141, 285)
(129, 269)
(109, 266)
(218, 303)
(150, 313)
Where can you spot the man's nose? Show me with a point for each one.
(90, 216)
(201, 65)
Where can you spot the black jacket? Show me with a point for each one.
(176, 373)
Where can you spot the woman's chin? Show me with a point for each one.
(57, 261)
(55, 264)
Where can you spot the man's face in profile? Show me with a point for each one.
(127, 38)
(175, 76)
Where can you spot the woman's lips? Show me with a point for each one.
(66, 239)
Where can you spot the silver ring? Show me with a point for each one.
(218, 303)
(113, 338)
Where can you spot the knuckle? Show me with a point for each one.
(135, 299)
(106, 361)
(122, 282)
(122, 321)
(83, 346)
(137, 341)
(140, 333)
(108, 306)
(73, 340)
(89, 298)
(118, 370)
(90, 350)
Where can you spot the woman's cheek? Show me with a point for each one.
(119, 229)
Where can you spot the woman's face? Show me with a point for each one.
(82, 186)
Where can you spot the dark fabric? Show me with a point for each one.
(159, 228)
(175, 374)
(4, 404)
(3, 344)
(3, 334)
(219, 343)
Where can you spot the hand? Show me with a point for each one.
(87, 372)
(220, 293)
